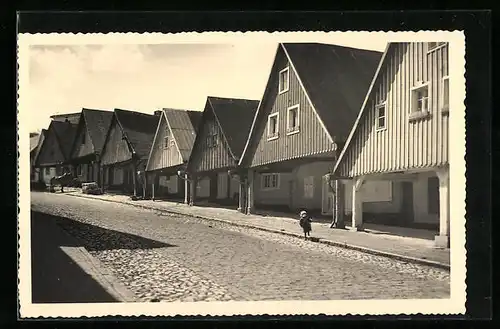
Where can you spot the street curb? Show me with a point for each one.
(375, 252)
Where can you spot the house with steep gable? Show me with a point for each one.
(170, 153)
(53, 158)
(220, 139)
(313, 95)
(401, 136)
(126, 150)
(36, 140)
(87, 146)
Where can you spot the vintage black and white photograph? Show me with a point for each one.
(242, 173)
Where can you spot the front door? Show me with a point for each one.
(407, 202)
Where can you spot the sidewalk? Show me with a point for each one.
(374, 241)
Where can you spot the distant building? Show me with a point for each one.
(71, 117)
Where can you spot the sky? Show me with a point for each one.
(147, 77)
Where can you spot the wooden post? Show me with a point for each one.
(229, 187)
(134, 180)
(357, 205)
(144, 183)
(250, 196)
(186, 189)
(192, 190)
(443, 239)
(241, 196)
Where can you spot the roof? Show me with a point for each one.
(363, 107)
(97, 123)
(335, 79)
(139, 129)
(71, 117)
(235, 119)
(65, 133)
(34, 142)
(183, 124)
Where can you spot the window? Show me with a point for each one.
(309, 187)
(270, 181)
(272, 126)
(380, 116)
(420, 102)
(166, 142)
(47, 171)
(292, 120)
(446, 94)
(212, 140)
(284, 80)
(434, 45)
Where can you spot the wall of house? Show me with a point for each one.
(205, 157)
(311, 139)
(405, 143)
(164, 156)
(203, 188)
(381, 196)
(116, 149)
(117, 175)
(48, 174)
(227, 186)
(279, 196)
(421, 199)
(82, 146)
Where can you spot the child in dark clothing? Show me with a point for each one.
(305, 223)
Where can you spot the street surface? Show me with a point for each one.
(179, 258)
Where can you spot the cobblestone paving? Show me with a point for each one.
(216, 261)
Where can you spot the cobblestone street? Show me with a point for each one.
(179, 258)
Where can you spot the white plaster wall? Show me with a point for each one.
(235, 186)
(172, 184)
(315, 170)
(279, 196)
(203, 188)
(377, 196)
(420, 200)
(46, 177)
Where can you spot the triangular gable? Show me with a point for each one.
(50, 143)
(259, 122)
(156, 155)
(97, 125)
(226, 157)
(115, 130)
(82, 128)
(363, 109)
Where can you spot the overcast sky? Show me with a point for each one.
(143, 78)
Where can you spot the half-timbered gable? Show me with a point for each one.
(222, 133)
(403, 123)
(310, 102)
(174, 139)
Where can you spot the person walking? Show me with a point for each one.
(305, 223)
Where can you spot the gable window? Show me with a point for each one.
(292, 119)
(284, 80)
(420, 102)
(446, 95)
(380, 116)
(270, 181)
(272, 126)
(166, 142)
(212, 140)
(434, 45)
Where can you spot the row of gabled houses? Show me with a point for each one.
(358, 133)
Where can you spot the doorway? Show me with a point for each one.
(407, 202)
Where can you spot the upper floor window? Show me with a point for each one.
(272, 126)
(284, 77)
(434, 45)
(212, 140)
(270, 181)
(166, 142)
(446, 94)
(292, 125)
(380, 115)
(420, 107)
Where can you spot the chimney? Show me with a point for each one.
(158, 112)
